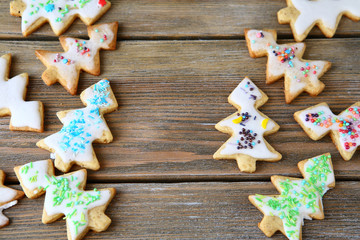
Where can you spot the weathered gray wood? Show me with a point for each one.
(191, 210)
(171, 93)
(173, 19)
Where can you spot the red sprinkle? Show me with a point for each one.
(102, 2)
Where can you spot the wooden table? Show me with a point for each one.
(176, 63)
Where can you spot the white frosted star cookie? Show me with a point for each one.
(303, 15)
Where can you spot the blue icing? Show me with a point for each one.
(101, 93)
(49, 7)
(75, 135)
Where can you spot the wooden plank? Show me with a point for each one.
(171, 93)
(173, 19)
(191, 210)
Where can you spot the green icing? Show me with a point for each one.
(297, 194)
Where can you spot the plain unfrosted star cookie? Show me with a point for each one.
(73, 143)
(8, 198)
(285, 60)
(65, 196)
(303, 15)
(247, 127)
(317, 121)
(59, 13)
(79, 55)
(25, 116)
(299, 199)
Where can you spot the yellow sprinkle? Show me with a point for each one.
(264, 123)
(237, 120)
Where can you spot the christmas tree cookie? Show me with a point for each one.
(73, 143)
(79, 55)
(65, 196)
(299, 199)
(58, 13)
(25, 116)
(285, 60)
(344, 129)
(247, 127)
(8, 198)
(303, 15)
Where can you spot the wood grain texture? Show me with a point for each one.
(171, 94)
(189, 211)
(180, 19)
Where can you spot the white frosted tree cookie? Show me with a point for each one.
(318, 121)
(303, 15)
(25, 116)
(73, 143)
(8, 198)
(80, 55)
(58, 13)
(247, 127)
(285, 60)
(299, 199)
(65, 196)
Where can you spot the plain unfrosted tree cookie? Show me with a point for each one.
(247, 127)
(303, 15)
(65, 196)
(299, 199)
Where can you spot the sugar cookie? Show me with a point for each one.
(303, 15)
(79, 55)
(65, 196)
(73, 143)
(300, 198)
(286, 61)
(247, 127)
(8, 198)
(317, 121)
(59, 13)
(25, 116)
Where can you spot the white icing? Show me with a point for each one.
(291, 68)
(3, 218)
(333, 126)
(77, 57)
(299, 190)
(7, 194)
(33, 175)
(325, 11)
(82, 126)
(81, 210)
(241, 96)
(36, 9)
(23, 114)
(63, 195)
